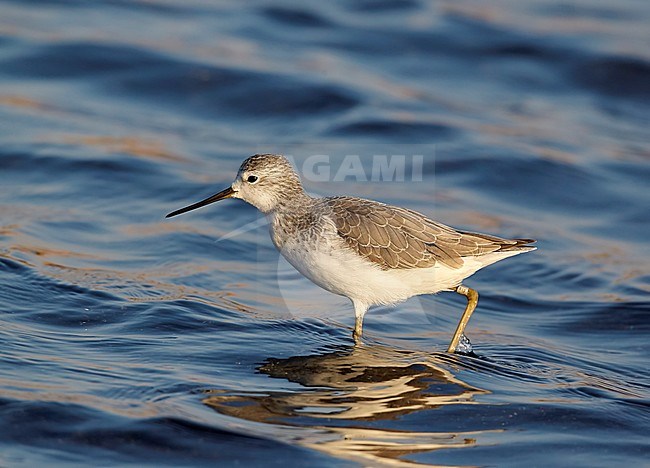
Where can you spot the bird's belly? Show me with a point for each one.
(343, 272)
(324, 267)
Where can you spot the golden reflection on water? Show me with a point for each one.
(132, 145)
(362, 385)
(18, 101)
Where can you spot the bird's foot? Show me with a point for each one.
(464, 346)
(357, 338)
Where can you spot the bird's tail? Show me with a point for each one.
(498, 244)
(520, 245)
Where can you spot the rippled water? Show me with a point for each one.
(127, 338)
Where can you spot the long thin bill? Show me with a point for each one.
(227, 193)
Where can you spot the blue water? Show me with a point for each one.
(126, 338)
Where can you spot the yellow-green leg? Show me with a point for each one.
(360, 310)
(472, 300)
(358, 330)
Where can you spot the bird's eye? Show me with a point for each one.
(251, 179)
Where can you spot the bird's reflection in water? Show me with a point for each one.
(353, 401)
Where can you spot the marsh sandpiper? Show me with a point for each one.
(367, 251)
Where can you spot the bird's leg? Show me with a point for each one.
(358, 330)
(359, 311)
(472, 300)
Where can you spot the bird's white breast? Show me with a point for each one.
(324, 258)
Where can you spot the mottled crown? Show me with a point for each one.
(272, 164)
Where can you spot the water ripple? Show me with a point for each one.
(132, 339)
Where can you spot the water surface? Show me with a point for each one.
(131, 339)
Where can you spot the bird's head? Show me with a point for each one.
(266, 181)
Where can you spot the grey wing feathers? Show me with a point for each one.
(394, 237)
